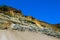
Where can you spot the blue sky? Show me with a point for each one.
(45, 10)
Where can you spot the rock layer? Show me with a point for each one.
(11, 18)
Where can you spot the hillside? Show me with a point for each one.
(13, 19)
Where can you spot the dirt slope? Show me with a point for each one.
(27, 35)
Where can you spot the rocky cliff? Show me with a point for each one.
(13, 19)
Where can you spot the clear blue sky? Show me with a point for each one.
(45, 10)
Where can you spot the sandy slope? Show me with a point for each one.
(16, 35)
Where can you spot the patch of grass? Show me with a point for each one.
(58, 27)
(31, 22)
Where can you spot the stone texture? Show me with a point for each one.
(13, 19)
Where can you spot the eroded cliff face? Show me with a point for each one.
(11, 18)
